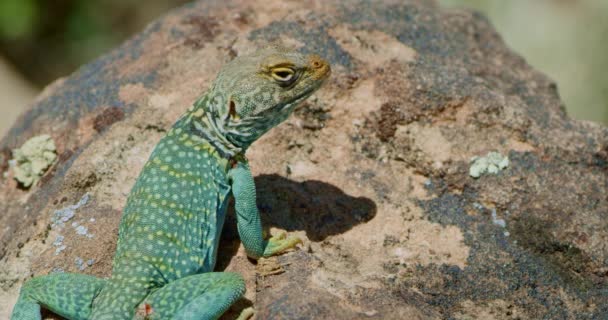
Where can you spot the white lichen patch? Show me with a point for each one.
(492, 163)
(32, 160)
(61, 216)
(81, 230)
(58, 244)
(79, 263)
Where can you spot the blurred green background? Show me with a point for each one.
(565, 39)
(42, 40)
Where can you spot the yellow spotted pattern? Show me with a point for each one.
(171, 223)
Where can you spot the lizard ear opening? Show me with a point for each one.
(232, 109)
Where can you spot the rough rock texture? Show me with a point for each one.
(372, 172)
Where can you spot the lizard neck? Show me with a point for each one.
(207, 119)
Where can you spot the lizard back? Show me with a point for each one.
(180, 198)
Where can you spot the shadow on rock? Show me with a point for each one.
(316, 207)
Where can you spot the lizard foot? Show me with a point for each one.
(280, 243)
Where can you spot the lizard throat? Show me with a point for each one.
(208, 124)
(209, 131)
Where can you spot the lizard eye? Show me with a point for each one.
(285, 76)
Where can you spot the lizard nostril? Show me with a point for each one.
(319, 67)
(316, 62)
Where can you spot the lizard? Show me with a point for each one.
(172, 221)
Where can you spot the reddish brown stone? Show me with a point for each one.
(372, 172)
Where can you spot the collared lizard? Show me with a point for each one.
(171, 224)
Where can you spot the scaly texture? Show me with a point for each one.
(170, 229)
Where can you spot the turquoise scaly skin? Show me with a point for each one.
(171, 225)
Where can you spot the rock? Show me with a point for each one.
(394, 226)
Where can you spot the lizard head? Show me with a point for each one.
(260, 90)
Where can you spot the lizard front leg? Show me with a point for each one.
(248, 217)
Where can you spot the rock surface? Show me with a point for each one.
(373, 171)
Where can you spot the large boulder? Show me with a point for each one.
(373, 171)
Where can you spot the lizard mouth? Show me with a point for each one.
(306, 93)
(299, 98)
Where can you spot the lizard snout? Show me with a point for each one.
(319, 66)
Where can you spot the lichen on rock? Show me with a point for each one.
(33, 159)
(492, 163)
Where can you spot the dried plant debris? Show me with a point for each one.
(269, 266)
(492, 163)
(33, 159)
